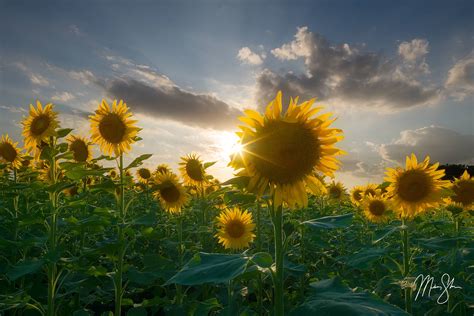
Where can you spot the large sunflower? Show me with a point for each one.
(171, 194)
(113, 129)
(415, 188)
(192, 170)
(376, 208)
(10, 153)
(463, 191)
(281, 151)
(235, 228)
(143, 175)
(39, 125)
(80, 148)
(357, 195)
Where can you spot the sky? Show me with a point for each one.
(398, 75)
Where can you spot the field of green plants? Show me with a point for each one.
(84, 235)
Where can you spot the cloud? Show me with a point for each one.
(174, 103)
(38, 79)
(62, 96)
(345, 74)
(246, 56)
(460, 82)
(149, 92)
(441, 144)
(411, 51)
(86, 77)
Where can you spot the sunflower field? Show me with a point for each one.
(84, 235)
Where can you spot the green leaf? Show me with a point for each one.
(331, 297)
(63, 132)
(381, 235)
(210, 268)
(138, 161)
(24, 268)
(364, 258)
(57, 187)
(262, 259)
(137, 311)
(238, 182)
(440, 243)
(330, 222)
(209, 164)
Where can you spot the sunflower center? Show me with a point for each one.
(79, 150)
(357, 195)
(235, 228)
(283, 152)
(464, 192)
(335, 192)
(112, 128)
(144, 173)
(414, 186)
(369, 191)
(377, 207)
(169, 192)
(194, 170)
(8, 152)
(39, 124)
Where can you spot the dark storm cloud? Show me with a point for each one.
(171, 102)
(345, 73)
(441, 144)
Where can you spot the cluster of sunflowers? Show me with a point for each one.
(285, 154)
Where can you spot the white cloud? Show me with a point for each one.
(301, 46)
(460, 82)
(62, 97)
(411, 51)
(246, 56)
(38, 80)
(84, 76)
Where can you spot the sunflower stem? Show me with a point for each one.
(259, 249)
(119, 267)
(52, 269)
(406, 266)
(179, 289)
(278, 279)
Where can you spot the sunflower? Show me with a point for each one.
(415, 188)
(282, 152)
(372, 189)
(80, 148)
(143, 175)
(336, 191)
(376, 208)
(113, 129)
(171, 194)
(357, 195)
(39, 125)
(162, 168)
(9, 152)
(463, 191)
(192, 170)
(235, 228)
(113, 174)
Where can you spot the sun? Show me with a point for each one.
(228, 144)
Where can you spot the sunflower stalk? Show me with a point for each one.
(278, 278)
(121, 242)
(259, 249)
(52, 238)
(179, 288)
(406, 265)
